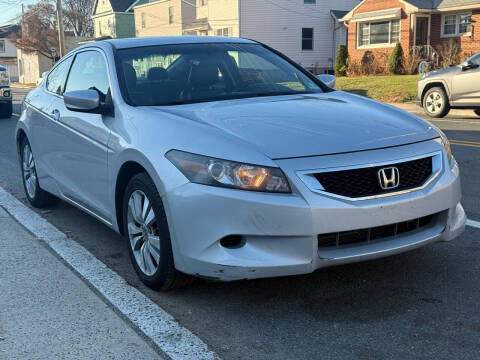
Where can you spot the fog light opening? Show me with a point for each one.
(232, 241)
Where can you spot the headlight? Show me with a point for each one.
(216, 172)
(446, 144)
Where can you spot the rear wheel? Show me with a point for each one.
(148, 237)
(6, 110)
(35, 195)
(435, 102)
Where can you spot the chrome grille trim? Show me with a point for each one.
(308, 176)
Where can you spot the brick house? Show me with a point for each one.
(377, 25)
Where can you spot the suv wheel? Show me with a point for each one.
(6, 110)
(148, 237)
(435, 102)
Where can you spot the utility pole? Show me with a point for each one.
(61, 32)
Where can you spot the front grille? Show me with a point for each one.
(363, 182)
(376, 233)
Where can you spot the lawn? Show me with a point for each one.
(390, 89)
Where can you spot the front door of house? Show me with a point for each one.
(421, 31)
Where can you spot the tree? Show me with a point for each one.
(77, 16)
(39, 29)
(395, 62)
(341, 61)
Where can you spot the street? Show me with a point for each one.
(422, 304)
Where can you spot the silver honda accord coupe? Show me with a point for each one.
(223, 159)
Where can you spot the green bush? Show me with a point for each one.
(341, 61)
(395, 62)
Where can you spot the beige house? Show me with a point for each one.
(308, 31)
(32, 65)
(164, 17)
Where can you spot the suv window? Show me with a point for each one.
(56, 78)
(89, 71)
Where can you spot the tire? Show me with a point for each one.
(147, 236)
(435, 103)
(36, 196)
(6, 110)
(477, 112)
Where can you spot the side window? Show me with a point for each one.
(56, 78)
(89, 71)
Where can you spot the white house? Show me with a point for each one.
(8, 51)
(308, 31)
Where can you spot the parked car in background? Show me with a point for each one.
(457, 87)
(221, 158)
(6, 106)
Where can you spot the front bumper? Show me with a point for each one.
(280, 232)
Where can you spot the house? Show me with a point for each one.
(164, 17)
(8, 51)
(308, 31)
(424, 25)
(32, 65)
(114, 18)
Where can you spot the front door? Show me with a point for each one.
(421, 37)
(81, 139)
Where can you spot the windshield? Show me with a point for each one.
(189, 73)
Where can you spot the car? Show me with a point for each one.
(220, 158)
(456, 87)
(6, 106)
(41, 78)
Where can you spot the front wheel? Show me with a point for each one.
(35, 195)
(435, 103)
(148, 237)
(6, 110)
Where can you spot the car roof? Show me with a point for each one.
(173, 40)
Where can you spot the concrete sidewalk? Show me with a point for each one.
(48, 312)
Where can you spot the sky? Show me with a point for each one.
(9, 9)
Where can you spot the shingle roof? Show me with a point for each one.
(8, 29)
(441, 4)
(121, 5)
(338, 13)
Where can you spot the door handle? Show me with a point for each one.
(55, 114)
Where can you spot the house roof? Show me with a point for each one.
(121, 5)
(440, 4)
(8, 29)
(338, 14)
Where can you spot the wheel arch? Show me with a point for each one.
(436, 83)
(20, 135)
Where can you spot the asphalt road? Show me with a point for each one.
(419, 305)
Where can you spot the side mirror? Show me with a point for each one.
(329, 80)
(467, 65)
(82, 100)
(44, 74)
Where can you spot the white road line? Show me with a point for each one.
(174, 340)
(475, 224)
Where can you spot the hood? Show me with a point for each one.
(442, 72)
(309, 125)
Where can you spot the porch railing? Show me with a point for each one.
(427, 53)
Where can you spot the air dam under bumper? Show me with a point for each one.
(280, 232)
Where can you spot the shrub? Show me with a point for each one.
(449, 53)
(412, 62)
(370, 65)
(395, 62)
(341, 61)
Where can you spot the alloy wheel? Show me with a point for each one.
(29, 171)
(143, 232)
(434, 102)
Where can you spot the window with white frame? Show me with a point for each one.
(144, 20)
(170, 15)
(2, 46)
(307, 38)
(456, 24)
(378, 33)
(223, 32)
